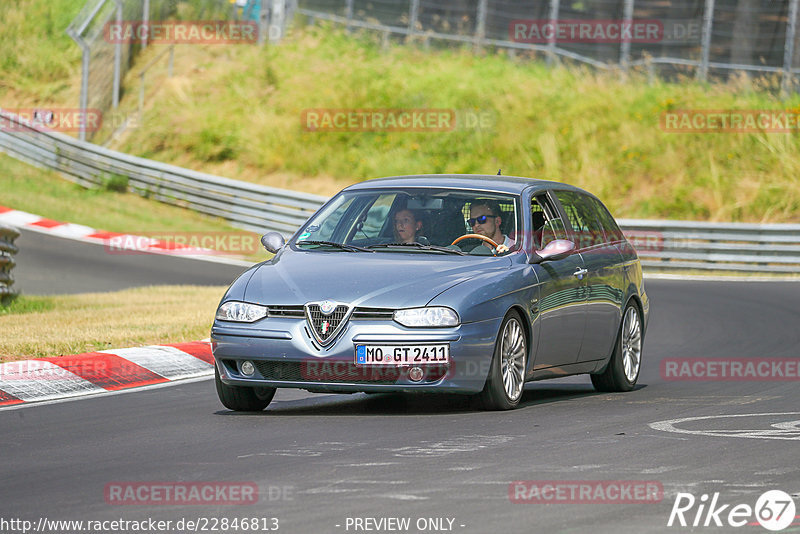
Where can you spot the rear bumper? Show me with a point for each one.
(285, 356)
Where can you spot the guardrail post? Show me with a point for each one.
(141, 98)
(7, 251)
(145, 22)
(551, 41)
(413, 17)
(708, 20)
(480, 24)
(171, 67)
(788, 47)
(349, 14)
(85, 64)
(625, 48)
(117, 60)
(263, 22)
(277, 15)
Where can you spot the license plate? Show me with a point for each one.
(402, 354)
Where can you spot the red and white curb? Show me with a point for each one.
(116, 240)
(60, 377)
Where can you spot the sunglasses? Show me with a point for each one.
(481, 219)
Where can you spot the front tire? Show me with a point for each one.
(623, 368)
(242, 399)
(506, 380)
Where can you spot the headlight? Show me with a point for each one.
(433, 316)
(242, 312)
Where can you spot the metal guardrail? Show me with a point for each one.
(669, 245)
(7, 251)
(250, 206)
(680, 245)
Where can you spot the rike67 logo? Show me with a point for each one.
(774, 510)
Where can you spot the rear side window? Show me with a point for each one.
(583, 217)
(613, 233)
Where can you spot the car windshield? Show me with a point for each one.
(426, 221)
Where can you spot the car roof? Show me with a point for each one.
(481, 182)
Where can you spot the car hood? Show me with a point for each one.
(380, 279)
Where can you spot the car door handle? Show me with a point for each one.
(580, 273)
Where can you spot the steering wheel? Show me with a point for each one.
(476, 236)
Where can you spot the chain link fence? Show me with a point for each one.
(702, 38)
(105, 62)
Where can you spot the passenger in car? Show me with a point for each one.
(407, 226)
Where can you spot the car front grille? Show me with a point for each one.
(326, 326)
(373, 313)
(286, 311)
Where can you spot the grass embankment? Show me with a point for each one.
(70, 324)
(236, 111)
(40, 64)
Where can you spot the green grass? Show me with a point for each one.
(35, 327)
(39, 63)
(27, 304)
(237, 111)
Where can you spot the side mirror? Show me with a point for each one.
(554, 250)
(272, 241)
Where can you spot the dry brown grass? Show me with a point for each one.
(97, 321)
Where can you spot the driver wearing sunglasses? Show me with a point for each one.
(484, 220)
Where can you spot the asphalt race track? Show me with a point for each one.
(49, 265)
(320, 462)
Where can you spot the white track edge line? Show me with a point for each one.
(89, 395)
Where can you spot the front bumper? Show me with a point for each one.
(285, 355)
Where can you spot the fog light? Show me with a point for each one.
(247, 368)
(415, 374)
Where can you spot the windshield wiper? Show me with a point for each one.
(349, 248)
(419, 246)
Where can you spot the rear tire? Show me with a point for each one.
(506, 380)
(242, 399)
(623, 368)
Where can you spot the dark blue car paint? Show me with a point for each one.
(481, 289)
